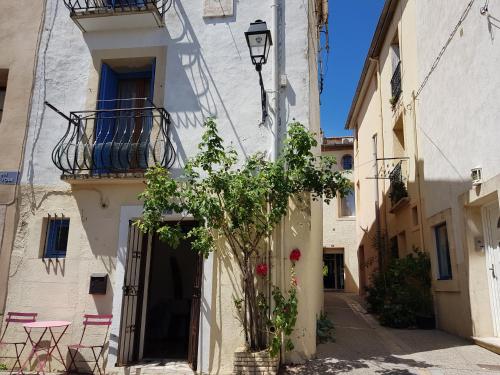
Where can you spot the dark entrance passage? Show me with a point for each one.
(170, 297)
(161, 301)
(334, 279)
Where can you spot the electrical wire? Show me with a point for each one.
(463, 17)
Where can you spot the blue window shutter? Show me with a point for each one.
(152, 83)
(104, 129)
(54, 248)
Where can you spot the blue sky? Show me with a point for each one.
(351, 23)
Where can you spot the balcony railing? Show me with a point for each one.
(142, 13)
(396, 89)
(126, 138)
(398, 188)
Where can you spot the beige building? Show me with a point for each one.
(76, 250)
(426, 162)
(388, 199)
(17, 59)
(339, 224)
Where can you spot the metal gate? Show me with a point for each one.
(133, 294)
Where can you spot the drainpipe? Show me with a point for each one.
(375, 166)
(417, 171)
(278, 278)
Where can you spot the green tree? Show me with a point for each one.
(240, 200)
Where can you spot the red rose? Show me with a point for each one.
(261, 269)
(295, 255)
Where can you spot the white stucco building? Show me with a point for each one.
(82, 173)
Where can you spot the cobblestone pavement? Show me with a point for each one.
(362, 346)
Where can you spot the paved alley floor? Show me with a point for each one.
(362, 346)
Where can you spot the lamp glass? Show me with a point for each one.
(259, 42)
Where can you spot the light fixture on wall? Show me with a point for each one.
(477, 176)
(259, 43)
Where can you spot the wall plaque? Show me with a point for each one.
(8, 177)
(218, 8)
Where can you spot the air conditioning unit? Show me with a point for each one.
(477, 176)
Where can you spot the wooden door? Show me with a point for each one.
(194, 325)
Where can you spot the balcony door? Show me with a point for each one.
(124, 120)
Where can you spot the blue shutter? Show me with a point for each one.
(105, 122)
(152, 83)
(51, 249)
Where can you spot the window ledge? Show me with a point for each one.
(403, 202)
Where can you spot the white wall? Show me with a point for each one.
(458, 114)
(208, 73)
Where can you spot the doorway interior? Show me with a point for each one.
(333, 277)
(161, 301)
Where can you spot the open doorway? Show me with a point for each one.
(161, 301)
(333, 275)
(170, 295)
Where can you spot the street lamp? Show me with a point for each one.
(259, 43)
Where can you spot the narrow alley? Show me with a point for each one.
(362, 346)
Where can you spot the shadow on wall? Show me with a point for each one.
(379, 250)
(226, 286)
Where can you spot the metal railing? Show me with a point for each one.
(396, 89)
(398, 188)
(128, 136)
(105, 6)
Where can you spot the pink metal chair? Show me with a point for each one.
(16, 318)
(97, 350)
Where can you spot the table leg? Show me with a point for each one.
(56, 346)
(33, 352)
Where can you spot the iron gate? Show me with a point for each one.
(133, 293)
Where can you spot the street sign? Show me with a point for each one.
(8, 177)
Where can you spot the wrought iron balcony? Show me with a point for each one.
(126, 138)
(93, 15)
(396, 89)
(398, 189)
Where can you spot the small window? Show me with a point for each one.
(347, 162)
(56, 241)
(443, 252)
(394, 247)
(414, 216)
(348, 205)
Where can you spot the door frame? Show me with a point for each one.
(128, 213)
(488, 245)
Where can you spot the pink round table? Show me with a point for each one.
(47, 325)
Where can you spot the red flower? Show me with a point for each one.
(295, 255)
(261, 269)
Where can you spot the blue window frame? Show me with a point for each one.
(347, 162)
(56, 243)
(443, 252)
(112, 142)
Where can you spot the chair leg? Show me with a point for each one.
(18, 358)
(96, 361)
(72, 361)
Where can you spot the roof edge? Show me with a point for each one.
(383, 24)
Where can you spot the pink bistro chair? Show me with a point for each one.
(97, 350)
(16, 318)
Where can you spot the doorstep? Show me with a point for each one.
(490, 343)
(168, 368)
